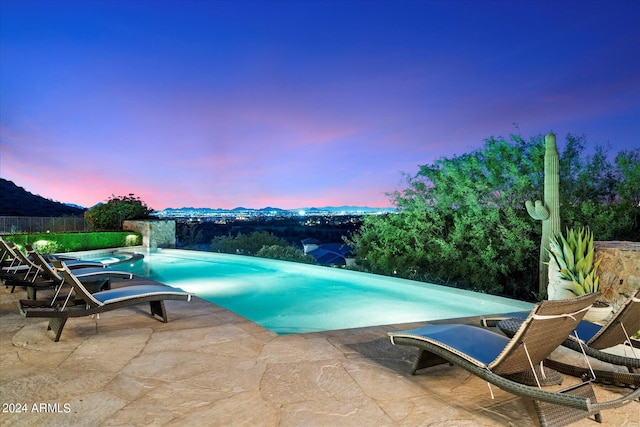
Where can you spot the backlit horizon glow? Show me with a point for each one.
(295, 104)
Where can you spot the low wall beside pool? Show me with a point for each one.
(155, 233)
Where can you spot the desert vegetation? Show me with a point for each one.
(110, 216)
(462, 220)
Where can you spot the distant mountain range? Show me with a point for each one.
(16, 201)
(271, 211)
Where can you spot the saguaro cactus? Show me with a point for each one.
(549, 211)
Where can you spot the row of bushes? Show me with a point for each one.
(48, 243)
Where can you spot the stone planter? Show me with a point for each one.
(598, 314)
(558, 287)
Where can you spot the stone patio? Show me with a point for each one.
(209, 366)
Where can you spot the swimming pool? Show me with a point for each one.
(110, 257)
(288, 297)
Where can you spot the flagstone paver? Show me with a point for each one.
(209, 366)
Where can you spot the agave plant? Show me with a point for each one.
(575, 258)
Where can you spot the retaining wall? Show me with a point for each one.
(619, 269)
(155, 234)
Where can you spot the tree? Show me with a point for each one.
(601, 195)
(285, 253)
(628, 176)
(462, 221)
(248, 244)
(110, 215)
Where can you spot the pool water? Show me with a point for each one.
(288, 297)
(108, 257)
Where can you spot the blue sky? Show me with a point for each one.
(297, 103)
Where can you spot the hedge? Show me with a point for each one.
(70, 242)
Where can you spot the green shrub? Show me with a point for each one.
(110, 215)
(574, 256)
(285, 253)
(247, 244)
(461, 221)
(71, 242)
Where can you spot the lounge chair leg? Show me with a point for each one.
(157, 309)
(556, 415)
(601, 376)
(426, 359)
(56, 324)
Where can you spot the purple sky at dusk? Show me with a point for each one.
(297, 103)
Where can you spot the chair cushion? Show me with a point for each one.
(135, 291)
(586, 330)
(479, 344)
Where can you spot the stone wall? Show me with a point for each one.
(619, 269)
(155, 233)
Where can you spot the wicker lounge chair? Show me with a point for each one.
(494, 357)
(49, 270)
(22, 272)
(44, 276)
(22, 267)
(5, 256)
(592, 339)
(12, 251)
(72, 263)
(14, 261)
(100, 302)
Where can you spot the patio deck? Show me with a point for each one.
(209, 366)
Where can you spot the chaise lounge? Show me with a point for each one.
(10, 250)
(496, 358)
(14, 264)
(23, 272)
(593, 340)
(99, 302)
(41, 275)
(48, 269)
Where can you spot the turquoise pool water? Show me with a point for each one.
(288, 297)
(108, 257)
